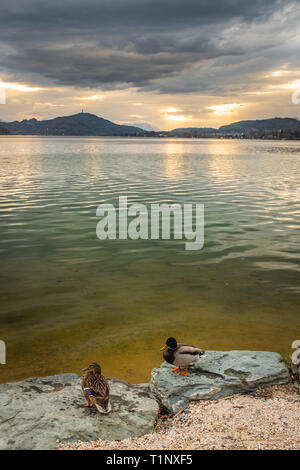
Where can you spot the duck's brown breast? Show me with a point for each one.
(169, 355)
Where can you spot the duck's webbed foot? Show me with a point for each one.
(177, 369)
(185, 371)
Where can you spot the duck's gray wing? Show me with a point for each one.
(187, 349)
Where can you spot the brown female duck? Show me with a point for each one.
(96, 389)
(180, 355)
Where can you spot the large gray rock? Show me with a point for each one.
(217, 375)
(36, 412)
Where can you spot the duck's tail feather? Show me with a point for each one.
(103, 406)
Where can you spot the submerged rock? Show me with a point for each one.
(218, 374)
(35, 413)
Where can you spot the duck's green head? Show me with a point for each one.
(171, 343)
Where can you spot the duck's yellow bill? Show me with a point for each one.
(165, 347)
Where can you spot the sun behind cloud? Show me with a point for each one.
(224, 108)
(178, 117)
(21, 87)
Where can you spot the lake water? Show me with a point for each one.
(67, 298)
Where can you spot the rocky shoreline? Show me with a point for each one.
(268, 419)
(219, 374)
(36, 413)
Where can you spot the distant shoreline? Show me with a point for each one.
(215, 137)
(90, 125)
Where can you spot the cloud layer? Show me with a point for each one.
(168, 46)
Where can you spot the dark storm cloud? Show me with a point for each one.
(130, 13)
(119, 43)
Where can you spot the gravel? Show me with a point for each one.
(267, 419)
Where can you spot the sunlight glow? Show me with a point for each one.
(93, 97)
(258, 93)
(283, 72)
(288, 86)
(177, 117)
(170, 110)
(224, 108)
(19, 87)
(279, 73)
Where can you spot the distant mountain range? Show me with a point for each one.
(199, 130)
(3, 130)
(86, 124)
(241, 127)
(273, 124)
(82, 124)
(143, 125)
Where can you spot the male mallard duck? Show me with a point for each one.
(96, 389)
(180, 355)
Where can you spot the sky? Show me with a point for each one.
(169, 63)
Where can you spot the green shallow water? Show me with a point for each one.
(67, 298)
